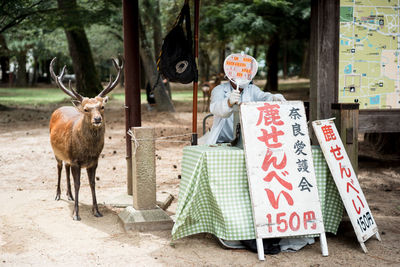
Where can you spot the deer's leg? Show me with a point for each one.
(92, 181)
(59, 169)
(76, 173)
(68, 171)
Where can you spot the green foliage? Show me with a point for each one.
(36, 26)
(247, 24)
(12, 13)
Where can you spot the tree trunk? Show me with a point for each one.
(35, 70)
(152, 19)
(272, 64)
(285, 61)
(45, 69)
(87, 81)
(4, 59)
(157, 31)
(157, 38)
(4, 64)
(163, 101)
(221, 58)
(21, 71)
(255, 51)
(204, 65)
(305, 66)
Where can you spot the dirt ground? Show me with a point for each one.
(37, 230)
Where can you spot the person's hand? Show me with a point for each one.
(234, 97)
(278, 97)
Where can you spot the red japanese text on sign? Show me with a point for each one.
(345, 178)
(328, 133)
(280, 169)
(270, 114)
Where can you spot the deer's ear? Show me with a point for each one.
(105, 100)
(76, 103)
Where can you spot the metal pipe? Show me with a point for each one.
(195, 82)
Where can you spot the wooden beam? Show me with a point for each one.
(347, 125)
(379, 121)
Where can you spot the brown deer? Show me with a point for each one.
(207, 87)
(77, 136)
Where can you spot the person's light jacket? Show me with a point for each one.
(222, 129)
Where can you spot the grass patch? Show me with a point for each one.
(183, 96)
(43, 96)
(31, 96)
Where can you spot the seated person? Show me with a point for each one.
(223, 97)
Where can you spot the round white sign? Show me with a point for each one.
(240, 68)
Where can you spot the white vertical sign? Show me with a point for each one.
(346, 181)
(280, 169)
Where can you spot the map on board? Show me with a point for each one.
(369, 53)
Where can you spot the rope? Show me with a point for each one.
(136, 143)
(161, 139)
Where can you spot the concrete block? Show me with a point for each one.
(143, 168)
(119, 201)
(145, 220)
(164, 200)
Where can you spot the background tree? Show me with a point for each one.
(274, 31)
(72, 17)
(87, 80)
(152, 24)
(264, 26)
(163, 100)
(4, 59)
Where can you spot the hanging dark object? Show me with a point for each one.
(176, 61)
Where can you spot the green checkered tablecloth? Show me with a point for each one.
(214, 194)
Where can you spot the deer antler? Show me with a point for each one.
(58, 79)
(112, 84)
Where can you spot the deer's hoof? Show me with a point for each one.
(97, 214)
(70, 197)
(76, 218)
(57, 197)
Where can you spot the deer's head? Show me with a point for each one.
(91, 108)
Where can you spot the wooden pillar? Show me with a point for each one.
(132, 78)
(347, 124)
(324, 58)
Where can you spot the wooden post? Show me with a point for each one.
(347, 124)
(324, 58)
(132, 78)
(195, 82)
